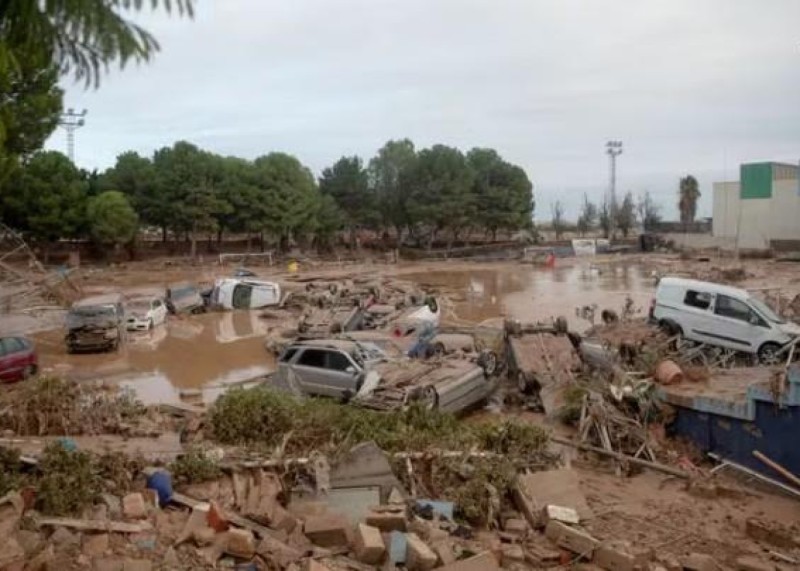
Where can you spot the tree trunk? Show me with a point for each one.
(164, 234)
(193, 238)
(219, 236)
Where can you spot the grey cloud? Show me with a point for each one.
(688, 86)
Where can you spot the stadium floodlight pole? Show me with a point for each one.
(613, 149)
(71, 121)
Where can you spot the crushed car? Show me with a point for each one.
(184, 298)
(96, 324)
(240, 293)
(363, 374)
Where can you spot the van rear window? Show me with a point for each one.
(698, 299)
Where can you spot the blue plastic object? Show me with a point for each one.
(68, 444)
(161, 482)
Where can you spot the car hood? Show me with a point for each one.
(791, 328)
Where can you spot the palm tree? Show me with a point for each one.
(81, 37)
(688, 194)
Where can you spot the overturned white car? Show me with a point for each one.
(242, 293)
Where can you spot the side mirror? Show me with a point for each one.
(351, 370)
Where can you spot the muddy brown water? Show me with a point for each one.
(216, 350)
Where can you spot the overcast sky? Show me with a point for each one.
(689, 86)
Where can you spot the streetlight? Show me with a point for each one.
(613, 150)
(71, 121)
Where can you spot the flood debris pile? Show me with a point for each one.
(53, 406)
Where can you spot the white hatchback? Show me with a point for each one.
(144, 312)
(720, 315)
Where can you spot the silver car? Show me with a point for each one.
(363, 374)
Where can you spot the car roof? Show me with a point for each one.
(343, 344)
(704, 286)
(105, 299)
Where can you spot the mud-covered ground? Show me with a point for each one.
(212, 350)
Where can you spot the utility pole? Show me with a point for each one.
(71, 121)
(613, 149)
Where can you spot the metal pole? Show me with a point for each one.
(614, 149)
(71, 121)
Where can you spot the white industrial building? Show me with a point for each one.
(761, 211)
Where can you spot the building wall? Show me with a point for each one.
(764, 214)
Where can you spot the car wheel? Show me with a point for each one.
(429, 398)
(522, 383)
(438, 349)
(768, 354)
(28, 372)
(489, 362)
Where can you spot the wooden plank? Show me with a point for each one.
(234, 518)
(95, 525)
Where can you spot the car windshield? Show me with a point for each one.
(139, 304)
(93, 311)
(765, 310)
(182, 292)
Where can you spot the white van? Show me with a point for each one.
(720, 315)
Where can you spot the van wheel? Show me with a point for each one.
(489, 362)
(768, 354)
(28, 372)
(670, 328)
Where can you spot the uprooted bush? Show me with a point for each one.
(69, 481)
(54, 406)
(194, 467)
(11, 477)
(262, 416)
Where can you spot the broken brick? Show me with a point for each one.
(368, 544)
(621, 556)
(419, 557)
(388, 520)
(512, 554)
(281, 553)
(133, 506)
(571, 538)
(482, 562)
(240, 543)
(327, 530)
(95, 545)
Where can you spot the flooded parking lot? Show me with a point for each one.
(215, 350)
(531, 293)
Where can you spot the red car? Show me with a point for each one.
(18, 359)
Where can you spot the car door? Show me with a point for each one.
(6, 364)
(342, 373)
(325, 372)
(310, 372)
(159, 312)
(13, 359)
(696, 316)
(733, 328)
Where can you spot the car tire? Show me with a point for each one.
(439, 349)
(429, 398)
(768, 354)
(489, 362)
(28, 372)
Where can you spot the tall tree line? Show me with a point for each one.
(186, 192)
